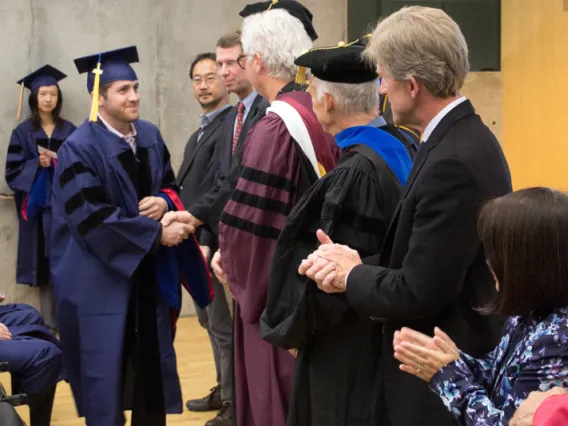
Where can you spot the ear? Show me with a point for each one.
(328, 103)
(258, 63)
(414, 87)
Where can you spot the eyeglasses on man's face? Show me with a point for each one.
(208, 79)
(242, 61)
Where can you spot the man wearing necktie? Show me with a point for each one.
(241, 118)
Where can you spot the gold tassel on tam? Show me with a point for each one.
(21, 101)
(96, 90)
(302, 72)
(272, 4)
(302, 76)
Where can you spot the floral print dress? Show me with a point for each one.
(532, 356)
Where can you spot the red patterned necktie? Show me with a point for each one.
(240, 116)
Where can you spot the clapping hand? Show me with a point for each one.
(423, 355)
(329, 265)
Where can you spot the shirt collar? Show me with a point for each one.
(206, 119)
(111, 129)
(377, 122)
(439, 117)
(248, 101)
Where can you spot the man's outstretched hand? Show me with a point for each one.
(182, 217)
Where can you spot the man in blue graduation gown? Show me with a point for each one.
(33, 356)
(116, 276)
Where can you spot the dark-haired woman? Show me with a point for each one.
(29, 171)
(525, 236)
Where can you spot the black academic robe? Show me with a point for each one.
(335, 382)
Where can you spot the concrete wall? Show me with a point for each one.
(168, 34)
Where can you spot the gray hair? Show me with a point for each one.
(278, 38)
(424, 43)
(350, 98)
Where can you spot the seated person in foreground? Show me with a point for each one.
(525, 235)
(335, 382)
(33, 356)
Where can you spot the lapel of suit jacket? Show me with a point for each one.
(459, 112)
(450, 119)
(187, 157)
(195, 146)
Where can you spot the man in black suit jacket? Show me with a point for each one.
(431, 270)
(221, 179)
(250, 109)
(195, 178)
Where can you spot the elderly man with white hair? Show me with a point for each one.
(431, 270)
(286, 151)
(335, 382)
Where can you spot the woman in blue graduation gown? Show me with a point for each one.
(29, 173)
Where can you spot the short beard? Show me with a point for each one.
(211, 104)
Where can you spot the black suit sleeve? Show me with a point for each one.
(442, 245)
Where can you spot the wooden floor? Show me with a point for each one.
(195, 367)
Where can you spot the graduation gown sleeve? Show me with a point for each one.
(94, 221)
(354, 206)
(21, 166)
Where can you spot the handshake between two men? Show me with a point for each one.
(176, 225)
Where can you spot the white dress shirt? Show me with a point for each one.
(130, 138)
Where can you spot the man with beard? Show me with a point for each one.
(196, 177)
(117, 288)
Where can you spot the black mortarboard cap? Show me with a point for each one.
(341, 64)
(294, 8)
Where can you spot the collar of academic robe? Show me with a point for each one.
(458, 113)
(144, 139)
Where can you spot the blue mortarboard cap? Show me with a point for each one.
(115, 65)
(44, 76)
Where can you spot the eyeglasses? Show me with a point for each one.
(242, 61)
(210, 79)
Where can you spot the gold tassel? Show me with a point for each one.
(301, 76)
(21, 101)
(321, 169)
(272, 4)
(96, 88)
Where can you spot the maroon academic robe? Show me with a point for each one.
(274, 175)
